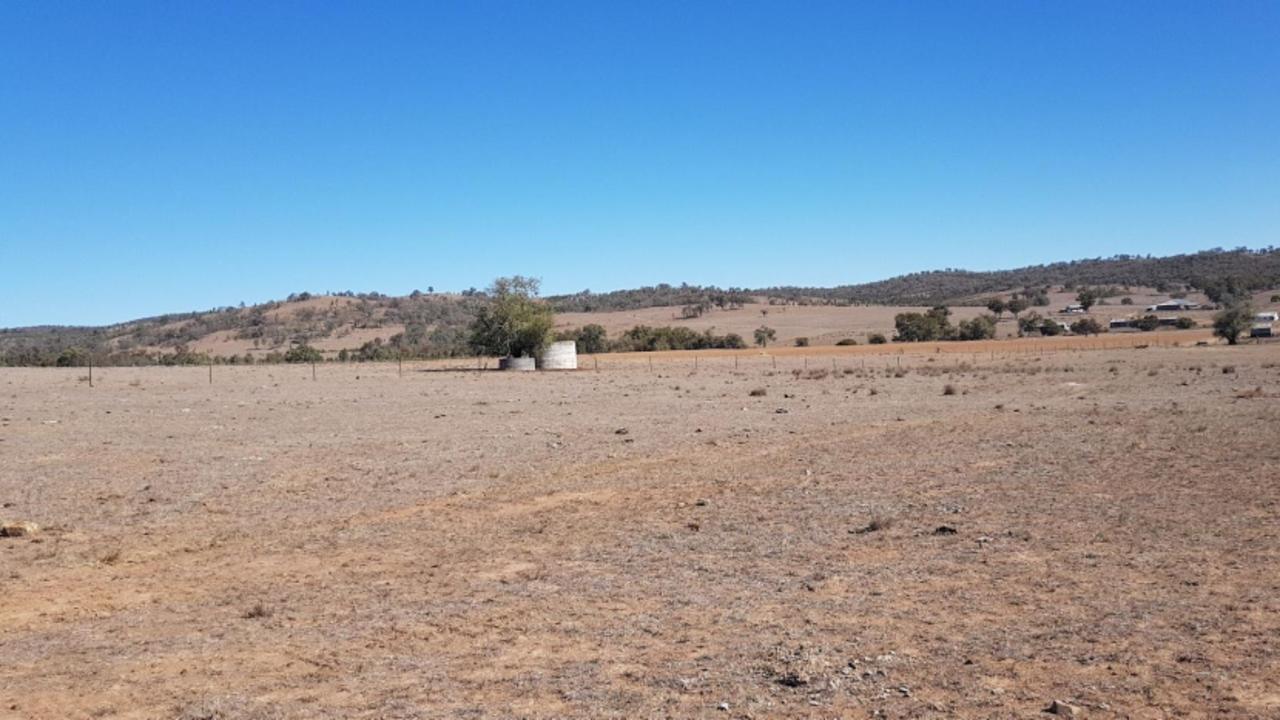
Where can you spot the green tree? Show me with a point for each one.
(1087, 297)
(997, 306)
(1231, 321)
(764, 335)
(1016, 306)
(514, 322)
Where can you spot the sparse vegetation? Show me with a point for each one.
(765, 335)
(514, 323)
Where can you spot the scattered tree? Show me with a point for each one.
(1087, 326)
(514, 323)
(1087, 297)
(1231, 321)
(997, 306)
(764, 335)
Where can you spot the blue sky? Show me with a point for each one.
(159, 157)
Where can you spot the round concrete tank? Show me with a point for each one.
(560, 356)
(520, 364)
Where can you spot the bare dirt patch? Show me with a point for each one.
(479, 544)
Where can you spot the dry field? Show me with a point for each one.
(1099, 528)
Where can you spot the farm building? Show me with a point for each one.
(1073, 309)
(1121, 325)
(1173, 305)
(1262, 330)
(1267, 317)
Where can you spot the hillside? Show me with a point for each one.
(372, 326)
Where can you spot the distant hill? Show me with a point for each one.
(1251, 269)
(370, 326)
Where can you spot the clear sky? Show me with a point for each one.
(173, 156)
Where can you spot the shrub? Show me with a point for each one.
(303, 354)
(948, 389)
(1275, 298)
(589, 339)
(923, 327)
(1147, 323)
(982, 327)
(1050, 327)
(1186, 323)
(877, 339)
(643, 338)
(846, 341)
(1086, 326)
(1126, 301)
(802, 342)
(758, 392)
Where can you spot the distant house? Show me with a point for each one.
(1121, 325)
(1073, 309)
(1173, 305)
(1262, 330)
(1266, 317)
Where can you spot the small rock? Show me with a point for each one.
(723, 706)
(781, 411)
(1058, 707)
(944, 530)
(702, 502)
(18, 529)
(621, 431)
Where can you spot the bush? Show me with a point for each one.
(1050, 327)
(589, 339)
(1126, 301)
(846, 341)
(923, 327)
(764, 335)
(1275, 298)
(802, 342)
(982, 327)
(1086, 326)
(1147, 323)
(877, 339)
(1185, 323)
(948, 389)
(643, 338)
(303, 354)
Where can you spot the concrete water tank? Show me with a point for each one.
(560, 356)
(521, 364)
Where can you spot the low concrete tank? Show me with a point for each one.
(560, 356)
(519, 364)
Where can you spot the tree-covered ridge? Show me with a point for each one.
(1252, 269)
(662, 295)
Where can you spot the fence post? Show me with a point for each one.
(210, 371)
(90, 371)
(313, 370)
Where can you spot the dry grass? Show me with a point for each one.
(461, 544)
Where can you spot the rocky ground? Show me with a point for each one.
(1094, 533)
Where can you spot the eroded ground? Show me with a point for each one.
(1099, 528)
